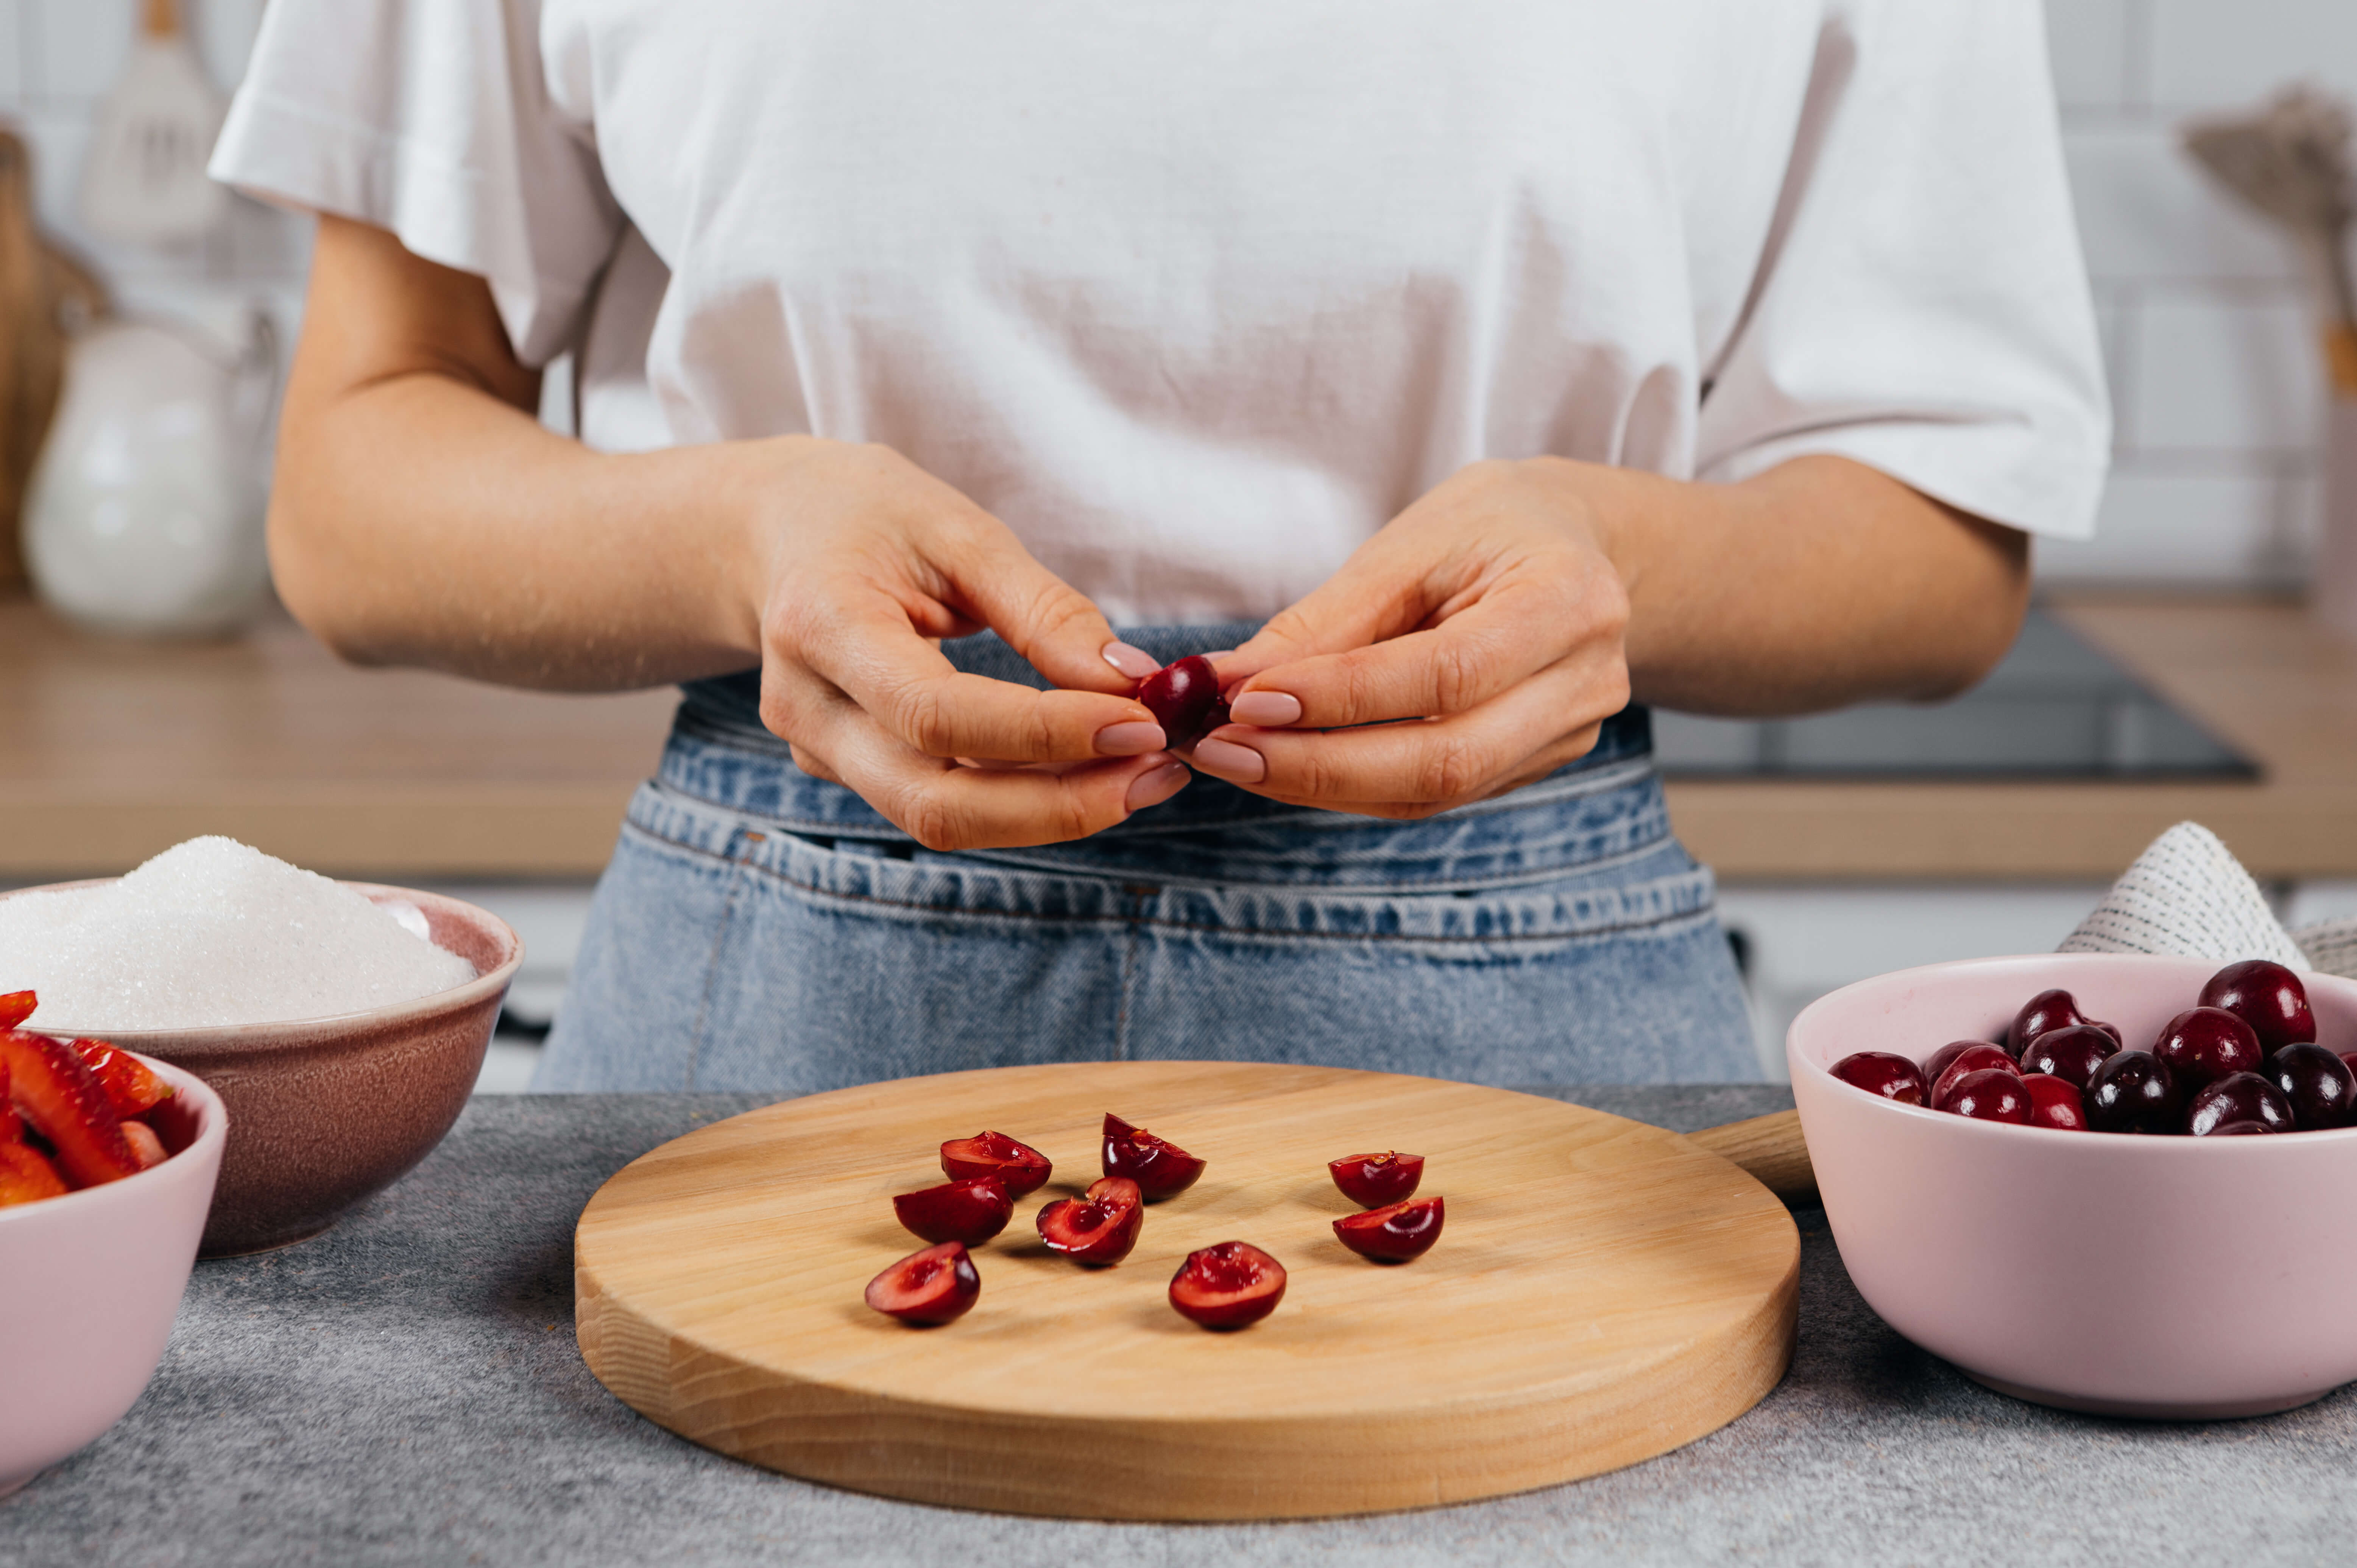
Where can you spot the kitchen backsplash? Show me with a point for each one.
(2208, 333)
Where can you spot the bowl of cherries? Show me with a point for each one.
(2108, 1182)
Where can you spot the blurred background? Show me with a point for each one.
(2176, 668)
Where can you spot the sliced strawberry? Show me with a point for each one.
(146, 1146)
(15, 1007)
(25, 1177)
(11, 1129)
(52, 1088)
(131, 1087)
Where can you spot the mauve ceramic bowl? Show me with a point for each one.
(327, 1111)
(2162, 1277)
(91, 1282)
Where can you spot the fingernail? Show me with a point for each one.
(1153, 789)
(1266, 710)
(1134, 662)
(1133, 739)
(1239, 763)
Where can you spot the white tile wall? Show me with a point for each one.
(2211, 335)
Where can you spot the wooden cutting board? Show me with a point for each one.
(1603, 1291)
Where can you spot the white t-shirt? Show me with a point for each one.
(1196, 296)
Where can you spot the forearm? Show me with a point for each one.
(1818, 583)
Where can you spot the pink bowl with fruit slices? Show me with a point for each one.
(2161, 1277)
(91, 1282)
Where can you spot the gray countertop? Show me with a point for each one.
(406, 1390)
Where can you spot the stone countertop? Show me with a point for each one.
(406, 1390)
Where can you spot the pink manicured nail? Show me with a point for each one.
(1133, 739)
(1239, 763)
(1153, 789)
(1266, 710)
(1134, 662)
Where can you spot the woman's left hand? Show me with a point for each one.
(1479, 635)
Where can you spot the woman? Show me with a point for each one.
(1467, 370)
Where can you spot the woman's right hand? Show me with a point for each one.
(865, 561)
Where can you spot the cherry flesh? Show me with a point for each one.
(1023, 1168)
(2238, 1097)
(1098, 1229)
(1231, 1285)
(2203, 1045)
(2046, 1010)
(2267, 996)
(1395, 1234)
(927, 1288)
(2054, 1102)
(1185, 700)
(1160, 1169)
(2318, 1084)
(971, 1212)
(1886, 1073)
(2071, 1053)
(1370, 1181)
(1992, 1094)
(1980, 1058)
(2134, 1092)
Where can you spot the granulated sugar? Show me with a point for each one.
(211, 932)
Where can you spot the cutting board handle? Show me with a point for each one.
(1771, 1149)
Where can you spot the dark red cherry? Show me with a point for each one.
(1886, 1073)
(971, 1212)
(1098, 1229)
(1980, 1058)
(2071, 1053)
(2267, 996)
(929, 1287)
(1938, 1061)
(2238, 1097)
(2054, 1102)
(2318, 1084)
(1023, 1168)
(2046, 1011)
(1227, 1286)
(1370, 1181)
(2231, 1128)
(1395, 1234)
(1992, 1094)
(2203, 1045)
(1159, 1168)
(1185, 698)
(2133, 1093)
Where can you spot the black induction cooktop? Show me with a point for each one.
(2056, 708)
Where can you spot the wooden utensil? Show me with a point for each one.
(38, 282)
(145, 182)
(1604, 1291)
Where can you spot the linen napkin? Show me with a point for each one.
(2188, 895)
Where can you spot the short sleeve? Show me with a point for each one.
(1922, 306)
(432, 119)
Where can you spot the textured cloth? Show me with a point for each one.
(1195, 297)
(2188, 895)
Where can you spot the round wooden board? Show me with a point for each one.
(1604, 1292)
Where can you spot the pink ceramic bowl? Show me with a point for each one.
(90, 1284)
(2145, 1276)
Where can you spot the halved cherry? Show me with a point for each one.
(15, 1007)
(1372, 1181)
(130, 1088)
(1159, 1168)
(146, 1146)
(1023, 1168)
(61, 1098)
(971, 1212)
(1098, 1229)
(1393, 1235)
(930, 1287)
(25, 1177)
(1228, 1286)
(1184, 699)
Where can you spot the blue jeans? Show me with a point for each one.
(761, 930)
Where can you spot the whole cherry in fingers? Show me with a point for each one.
(1231, 1285)
(1370, 1181)
(1160, 1169)
(1395, 1234)
(1185, 700)
(61, 1098)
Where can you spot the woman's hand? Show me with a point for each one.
(868, 560)
(1480, 634)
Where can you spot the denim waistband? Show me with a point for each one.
(1603, 808)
